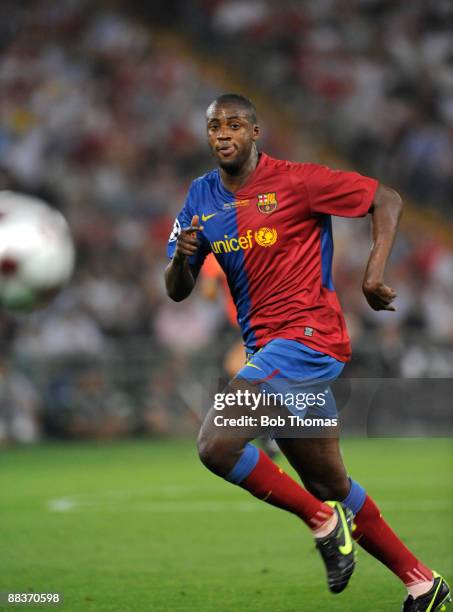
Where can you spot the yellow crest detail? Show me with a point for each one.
(266, 236)
(267, 202)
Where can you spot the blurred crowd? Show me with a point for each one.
(373, 77)
(105, 121)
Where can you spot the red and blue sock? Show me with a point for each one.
(256, 473)
(378, 539)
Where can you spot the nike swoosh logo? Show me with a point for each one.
(205, 218)
(346, 548)
(431, 603)
(252, 365)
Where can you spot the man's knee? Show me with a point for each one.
(218, 454)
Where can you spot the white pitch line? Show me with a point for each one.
(63, 504)
(103, 504)
(71, 505)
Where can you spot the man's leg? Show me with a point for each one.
(226, 451)
(319, 463)
(229, 454)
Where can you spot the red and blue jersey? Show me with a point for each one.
(273, 239)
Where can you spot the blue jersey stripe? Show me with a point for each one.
(234, 265)
(327, 253)
(244, 310)
(208, 196)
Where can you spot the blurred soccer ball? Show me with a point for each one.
(36, 252)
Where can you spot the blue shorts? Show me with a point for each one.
(300, 374)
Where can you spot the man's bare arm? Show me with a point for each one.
(179, 277)
(386, 213)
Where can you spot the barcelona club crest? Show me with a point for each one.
(267, 202)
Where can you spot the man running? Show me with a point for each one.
(268, 223)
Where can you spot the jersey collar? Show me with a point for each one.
(262, 161)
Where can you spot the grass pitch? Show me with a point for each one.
(143, 526)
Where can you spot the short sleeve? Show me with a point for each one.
(183, 221)
(336, 192)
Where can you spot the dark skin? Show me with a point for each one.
(232, 137)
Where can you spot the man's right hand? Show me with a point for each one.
(187, 243)
(179, 278)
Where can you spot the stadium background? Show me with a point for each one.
(102, 113)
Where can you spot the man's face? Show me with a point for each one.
(231, 134)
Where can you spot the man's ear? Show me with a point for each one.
(256, 132)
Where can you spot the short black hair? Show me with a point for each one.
(239, 100)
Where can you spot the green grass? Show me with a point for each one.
(143, 526)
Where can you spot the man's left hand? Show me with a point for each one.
(379, 296)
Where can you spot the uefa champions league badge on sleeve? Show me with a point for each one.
(175, 231)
